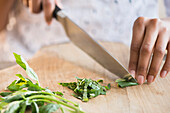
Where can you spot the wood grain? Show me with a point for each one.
(62, 63)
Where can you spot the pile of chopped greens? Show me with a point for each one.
(86, 89)
(23, 94)
(126, 81)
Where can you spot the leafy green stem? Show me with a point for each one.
(41, 100)
(55, 100)
(62, 109)
(75, 104)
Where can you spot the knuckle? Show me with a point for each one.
(142, 69)
(139, 22)
(159, 51)
(36, 11)
(146, 49)
(133, 64)
(153, 70)
(135, 47)
(47, 3)
(165, 29)
(154, 22)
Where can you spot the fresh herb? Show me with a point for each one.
(125, 82)
(20, 60)
(86, 89)
(23, 94)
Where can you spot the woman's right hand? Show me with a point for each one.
(48, 7)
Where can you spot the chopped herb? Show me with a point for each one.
(86, 89)
(24, 93)
(125, 82)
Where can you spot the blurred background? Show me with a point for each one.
(106, 20)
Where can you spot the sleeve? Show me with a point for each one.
(167, 6)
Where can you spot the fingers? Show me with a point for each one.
(137, 38)
(158, 54)
(35, 6)
(48, 6)
(58, 2)
(150, 36)
(166, 67)
(25, 2)
(146, 50)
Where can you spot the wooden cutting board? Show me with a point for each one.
(62, 63)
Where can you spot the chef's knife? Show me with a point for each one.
(81, 39)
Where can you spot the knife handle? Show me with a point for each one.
(56, 10)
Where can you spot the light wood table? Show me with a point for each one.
(62, 63)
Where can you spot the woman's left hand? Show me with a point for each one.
(150, 37)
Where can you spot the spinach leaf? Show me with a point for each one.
(108, 86)
(13, 86)
(13, 107)
(34, 87)
(23, 106)
(5, 93)
(12, 98)
(125, 83)
(49, 108)
(3, 105)
(20, 60)
(35, 108)
(58, 93)
(17, 85)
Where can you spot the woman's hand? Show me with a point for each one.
(48, 7)
(150, 37)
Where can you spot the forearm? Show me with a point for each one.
(5, 7)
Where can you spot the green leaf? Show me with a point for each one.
(13, 107)
(22, 77)
(100, 81)
(49, 108)
(5, 93)
(34, 87)
(3, 104)
(18, 84)
(119, 80)
(126, 84)
(13, 98)
(78, 78)
(23, 106)
(35, 108)
(71, 85)
(108, 86)
(58, 93)
(85, 98)
(13, 86)
(20, 60)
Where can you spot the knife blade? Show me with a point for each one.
(81, 39)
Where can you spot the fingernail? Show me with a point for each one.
(140, 79)
(132, 72)
(150, 79)
(163, 74)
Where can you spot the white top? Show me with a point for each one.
(108, 20)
